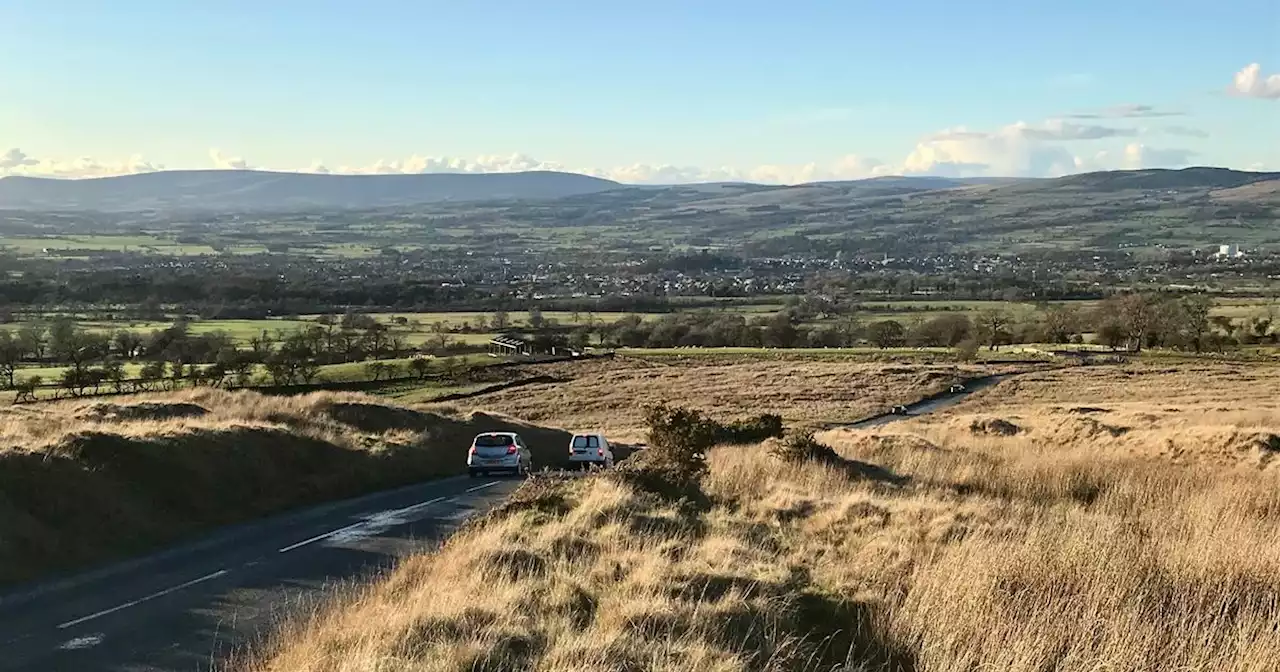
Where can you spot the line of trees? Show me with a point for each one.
(1129, 321)
(97, 359)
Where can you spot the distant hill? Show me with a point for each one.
(248, 190)
(1116, 210)
(925, 182)
(1154, 178)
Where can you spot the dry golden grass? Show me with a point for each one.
(610, 395)
(940, 544)
(84, 481)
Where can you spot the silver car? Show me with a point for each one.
(499, 452)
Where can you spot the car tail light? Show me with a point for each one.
(511, 450)
(600, 452)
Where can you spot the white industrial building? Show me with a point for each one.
(1229, 252)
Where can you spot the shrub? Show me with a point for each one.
(803, 448)
(751, 430)
(675, 462)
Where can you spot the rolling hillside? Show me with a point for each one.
(235, 190)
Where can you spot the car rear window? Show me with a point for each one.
(586, 442)
(489, 441)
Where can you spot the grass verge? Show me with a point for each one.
(86, 481)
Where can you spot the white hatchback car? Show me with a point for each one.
(499, 452)
(591, 449)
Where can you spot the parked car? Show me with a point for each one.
(898, 410)
(591, 449)
(957, 388)
(499, 452)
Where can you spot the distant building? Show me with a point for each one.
(507, 346)
(1229, 252)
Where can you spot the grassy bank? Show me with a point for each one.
(1055, 536)
(83, 482)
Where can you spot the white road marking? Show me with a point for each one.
(482, 487)
(126, 605)
(368, 526)
(85, 642)
(321, 537)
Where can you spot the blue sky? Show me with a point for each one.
(640, 91)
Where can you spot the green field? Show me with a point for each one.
(476, 327)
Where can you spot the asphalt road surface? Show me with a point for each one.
(933, 404)
(189, 607)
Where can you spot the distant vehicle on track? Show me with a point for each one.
(590, 449)
(499, 452)
(898, 410)
(957, 388)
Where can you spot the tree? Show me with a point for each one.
(500, 321)
(967, 350)
(421, 367)
(307, 370)
(375, 370)
(127, 343)
(27, 389)
(780, 332)
(1112, 334)
(1137, 314)
(886, 333)
(33, 339)
(150, 374)
(377, 339)
(10, 357)
(941, 331)
(280, 367)
(536, 319)
(1061, 323)
(113, 373)
(1192, 319)
(992, 323)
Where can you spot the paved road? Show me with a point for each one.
(935, 403)
(187, 607)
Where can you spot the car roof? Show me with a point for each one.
(596, 434)
(512, 434)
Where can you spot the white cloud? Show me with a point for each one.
(1017, 150)
(416, 164)
(17, 162)
(1127, 111)
(1137, 156)
(850, 167)
(223, 162)
(1025, 150)
(1250, 83)
(16, 158)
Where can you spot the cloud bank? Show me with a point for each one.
(1050, 148)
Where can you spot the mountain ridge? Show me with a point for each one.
(267, 190)
(257, 190)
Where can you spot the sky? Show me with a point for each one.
(658, 91)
